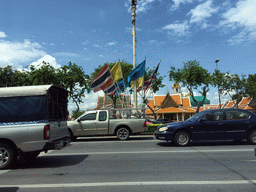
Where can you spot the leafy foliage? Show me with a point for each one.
(192, 76)
(71, 77)
(234, 86)
(250, 85)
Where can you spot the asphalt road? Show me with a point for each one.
(141, 163)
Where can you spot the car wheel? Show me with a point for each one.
(251, 137)
(7, 156)
(31, 155)
(182, 138)
(122, 133)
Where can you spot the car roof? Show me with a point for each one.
(225, 109)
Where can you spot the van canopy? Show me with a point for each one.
(33, 103)
(35, 90)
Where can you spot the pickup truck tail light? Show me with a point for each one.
(145, 124)
(47, 132)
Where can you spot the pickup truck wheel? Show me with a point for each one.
(7, 156)
(182, 138)
(122, 133)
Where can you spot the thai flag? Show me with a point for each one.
(112, 89)
(103, 80)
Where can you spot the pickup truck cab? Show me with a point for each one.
(105, 122)
(32, 119)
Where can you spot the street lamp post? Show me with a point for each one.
(217, 60)
(133, 9)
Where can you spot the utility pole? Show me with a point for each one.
(133, 9)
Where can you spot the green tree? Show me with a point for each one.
(193, 77)
(42, 74)
(219, 81)
(10, 77)
(73, 78)
(250, 85)
(234, 86)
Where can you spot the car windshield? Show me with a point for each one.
(196, 116)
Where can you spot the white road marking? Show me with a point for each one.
(67, 185)
(3, 171)
(143, 152)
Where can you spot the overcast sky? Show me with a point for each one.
(90, 33)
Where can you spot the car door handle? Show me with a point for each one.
(220, 123)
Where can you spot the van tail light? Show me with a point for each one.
(145, 124)
(47, 132)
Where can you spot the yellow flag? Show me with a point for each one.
(116, 71)
(139, 82)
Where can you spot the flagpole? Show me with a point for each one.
(133, 9)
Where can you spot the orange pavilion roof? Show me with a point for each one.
(250, 107)
(231, 104)
(188, 110)
(186, 102)
(158, 100)
(176, 98)
(170, 110)
(245, 101)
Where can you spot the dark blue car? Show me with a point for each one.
(216, 124)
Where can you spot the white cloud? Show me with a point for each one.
(242, 16)
(201, 12)
(2, 34)
(111, 43)
(95, 45)
(237, 39)
(101, 56)
(178, 2)
(86, 42)
(66, 54)
(179, 29)
(48, 59)
(143, 5)
(89, 102)
(17, 53)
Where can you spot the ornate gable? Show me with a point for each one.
(168, 102)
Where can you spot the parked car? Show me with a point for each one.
(161, 121)
(216, 124)
(32, 119)
(102, 122)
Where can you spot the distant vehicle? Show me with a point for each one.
(32, 119)
(161, 121)
(216, 124)
(104, 122)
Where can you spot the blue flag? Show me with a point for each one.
(122, 86)
(137, 72)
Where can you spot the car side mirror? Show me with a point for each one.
(202, 119)
(78, 120)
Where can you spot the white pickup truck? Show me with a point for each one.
(105, 122)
